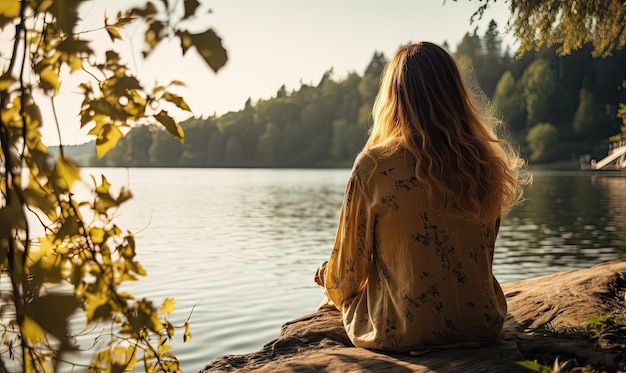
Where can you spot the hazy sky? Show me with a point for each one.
(276, 42)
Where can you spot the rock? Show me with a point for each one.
(547, 321)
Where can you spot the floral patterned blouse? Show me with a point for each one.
(404, 276)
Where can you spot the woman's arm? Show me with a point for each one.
(350, 260)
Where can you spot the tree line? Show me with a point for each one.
(556, 108)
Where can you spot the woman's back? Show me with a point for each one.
(429, 278)
(411, 266)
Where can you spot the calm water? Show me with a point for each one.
(242, 245)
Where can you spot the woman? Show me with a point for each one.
(411, 266)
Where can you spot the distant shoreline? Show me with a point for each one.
(81, 154)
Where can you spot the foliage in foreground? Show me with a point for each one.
(606, 332)
(566, 24)
(81, 259)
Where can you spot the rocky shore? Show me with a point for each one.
(574, 321)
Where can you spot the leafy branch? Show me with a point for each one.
(83, 257)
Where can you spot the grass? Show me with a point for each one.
(606, 335)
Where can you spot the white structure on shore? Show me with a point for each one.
(616, 159)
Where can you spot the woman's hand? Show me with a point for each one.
(320, 274)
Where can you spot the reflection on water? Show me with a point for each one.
(569, 220)
(242, 245)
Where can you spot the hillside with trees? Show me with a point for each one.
(556, 107)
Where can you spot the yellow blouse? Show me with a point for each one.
(404, 276)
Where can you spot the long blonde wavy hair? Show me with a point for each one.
(424, 106)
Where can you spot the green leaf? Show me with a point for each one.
(104, 186)
(131, 241)
(114, 231)
(165, 348)
(145, 316)
(102, 359)
(209, 45)
(11, 216)
(136, 267)
(153, 35)
(97, 235)
(5, 81)
(124, 19)
(598, 319)
(46, 247)
(126, 358)
(38, 198)
(113, 33)
(33, 124)
(177, 83)
(66, 14)
(148, 10)
(112, 29)
(102, 106)
(32, 331)
(112, 58)
(11, 8)
(123, 196)
(52, 313)
(50, 80)
(11, 116)
(46, 267)
(104, 202)
(75, 63)
(169, 124)
(621, 113)
(73, 46)
(185, 40)
(534, 366)
(121, 86)
(190, 8)
(168, 306)
(66, 174)
(107, 138)
(136, 104)
(69, 228)
(176, 100)
(97, 307)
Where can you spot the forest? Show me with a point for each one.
(554, 108)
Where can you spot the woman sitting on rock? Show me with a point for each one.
(411, 265)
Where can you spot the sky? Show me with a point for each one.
(271, 43)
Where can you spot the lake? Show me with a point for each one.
(240, 246)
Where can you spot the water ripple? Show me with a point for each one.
(241, 246)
